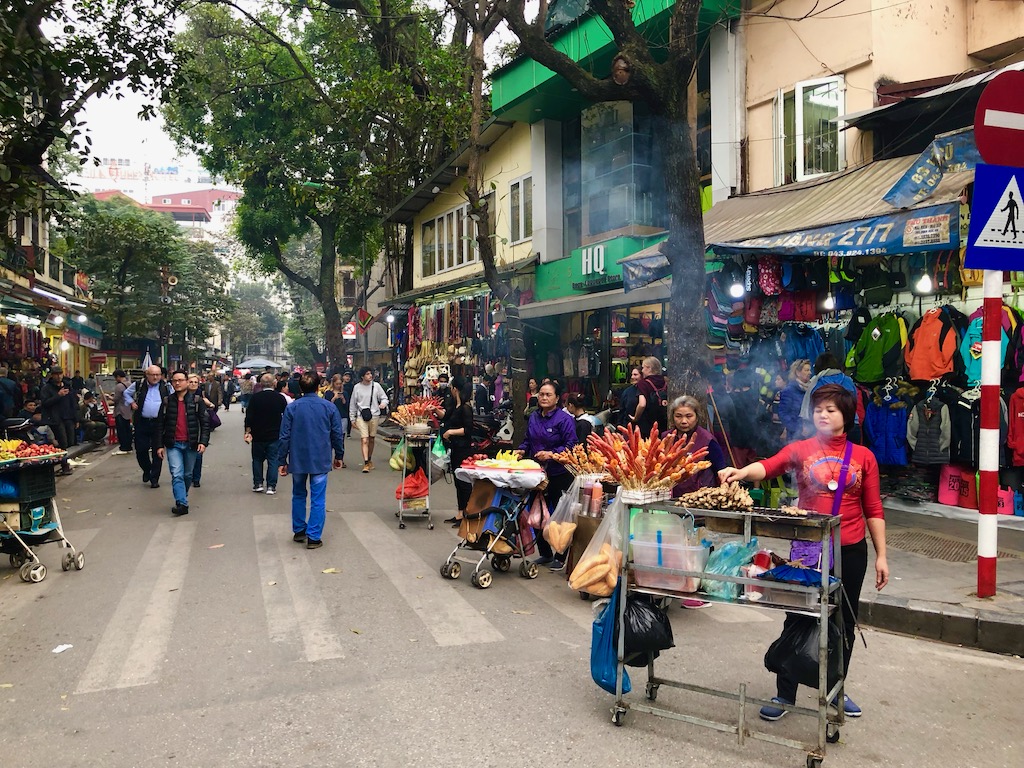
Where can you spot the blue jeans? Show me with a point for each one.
(181, 461)
(314, 527)
(265, 452)
(197, 469)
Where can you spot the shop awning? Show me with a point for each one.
(588, 301)
(841, 214)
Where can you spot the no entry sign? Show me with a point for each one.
(999, 120)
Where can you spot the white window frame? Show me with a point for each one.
(521, 182)
(186, 201)
(798, 121)
(463, 251)
(166, 201)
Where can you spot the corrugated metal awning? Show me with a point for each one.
(834, 199)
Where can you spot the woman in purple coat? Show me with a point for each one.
(550, 430)
(683, 413)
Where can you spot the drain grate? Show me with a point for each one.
(939, 547)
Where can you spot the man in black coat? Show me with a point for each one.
(60, 407)
(185, 430)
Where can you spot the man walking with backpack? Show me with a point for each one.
(145, 398)
(184, 429)
(366, 405)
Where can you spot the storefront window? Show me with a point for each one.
(449, 241)
(808, 132)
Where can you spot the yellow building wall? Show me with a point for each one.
(863, 40)
(995, 30)
(507, 161)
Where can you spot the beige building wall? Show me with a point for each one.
(864, 41)
(507, 161)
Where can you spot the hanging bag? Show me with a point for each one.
(604, 656)
(795, 654)
(598, 569)
(559, 528)
(538, 515)
(809, 553)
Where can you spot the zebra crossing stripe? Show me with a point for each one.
(301, 608)
(131, 650)
(447, 615)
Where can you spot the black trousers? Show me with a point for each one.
(557, 485)
(854, 559)
(147, 443)
(64, 433)
(124, 432)
(462, 489)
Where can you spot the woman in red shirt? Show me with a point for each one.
(818, 462)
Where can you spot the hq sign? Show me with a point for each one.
(592, 268)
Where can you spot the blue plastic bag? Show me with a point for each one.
(604, 655)
(727, 561)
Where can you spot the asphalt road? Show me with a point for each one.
(214, 640)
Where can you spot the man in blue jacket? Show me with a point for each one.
(310, 428)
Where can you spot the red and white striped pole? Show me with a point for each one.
(988, 446)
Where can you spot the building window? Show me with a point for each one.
(186, 201)
(521, 209)
(449, 241)
(808, 142)
(166, 201)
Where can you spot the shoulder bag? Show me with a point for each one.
(809, 553)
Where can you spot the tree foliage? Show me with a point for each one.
(57, 54)
(300, 113)
(253, 318)
(122, 248)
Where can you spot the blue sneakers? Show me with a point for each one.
(774, 713)
(851, 709)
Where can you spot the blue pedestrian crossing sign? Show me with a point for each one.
(996, 236)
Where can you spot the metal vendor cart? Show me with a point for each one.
(29, 516)
(417, 508)
(822, 602)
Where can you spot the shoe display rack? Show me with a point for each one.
(821, 602)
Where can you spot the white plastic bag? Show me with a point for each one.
(598, 570)
(562, 523)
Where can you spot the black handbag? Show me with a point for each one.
(366, 414)
(794, 655)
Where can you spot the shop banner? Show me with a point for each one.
(951, 153)
(936, 228)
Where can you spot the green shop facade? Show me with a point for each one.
(600, 175)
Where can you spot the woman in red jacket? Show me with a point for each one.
(818, 462)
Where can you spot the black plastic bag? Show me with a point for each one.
(795, 654)
(647, 631)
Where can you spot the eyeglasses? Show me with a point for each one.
(178, 380)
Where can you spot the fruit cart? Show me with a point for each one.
(29, 516)
(418, 507)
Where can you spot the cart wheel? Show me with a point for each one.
(401, 526)
(79, 561)
(430, 526)
(503, 564)
(18, 559)
(831, 733)
(813, 761)
(584, 596)
(652, 691)
(67, 562)
(618, 715)
(34, 572)
(454, 570)
(444, 569)
(481, 579)
(528, 570)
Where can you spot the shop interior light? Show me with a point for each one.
(64, 346)
(736, 290)
(82, 318)
(924, 285)
(830, 302)
(57, 320)
(56, 297)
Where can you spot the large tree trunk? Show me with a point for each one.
(333, 324)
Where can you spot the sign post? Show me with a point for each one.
(995, 243)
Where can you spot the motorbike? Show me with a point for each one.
(492, 432)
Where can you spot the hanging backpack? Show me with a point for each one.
(875, 286)
(947, 273)
(769, 275)
(750, 281)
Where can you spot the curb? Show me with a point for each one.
(990, 631)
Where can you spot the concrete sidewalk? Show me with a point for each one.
(936, 598)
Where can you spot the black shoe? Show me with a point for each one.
(195, 484)
(451, 520)
(299, 537)
(154, 484)
(314, 544)
(179, 509)
(145, 477)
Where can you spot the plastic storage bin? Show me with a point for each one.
(666, 555)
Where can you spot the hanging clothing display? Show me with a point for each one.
(878, 353)
(928, 432)
(885, 422)
(1015, 434)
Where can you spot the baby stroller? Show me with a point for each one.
(500, 532)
